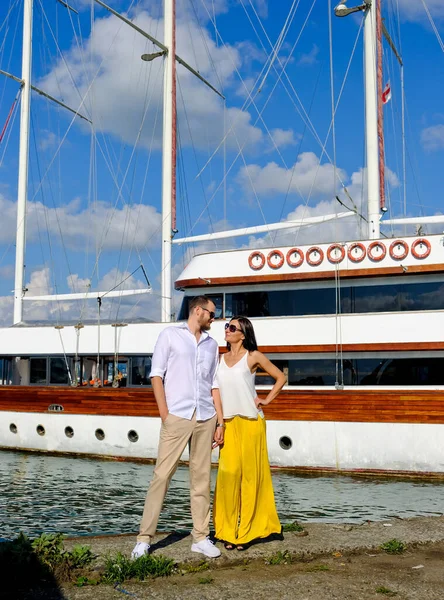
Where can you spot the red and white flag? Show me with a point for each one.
(386, 93)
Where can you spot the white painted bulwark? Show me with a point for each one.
(358, 446)
(234, 263)
(339, 446)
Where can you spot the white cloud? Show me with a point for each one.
(414, 9)
(39, 284)
(77, 284)
(125, 85)
(6, 310)
(310, 58)
(48, 139)
(101, 226)
(261, 7)
(283, 138)
(391, 178)
(7, 272)
(126, 308)
(432, 138)
(307, 176)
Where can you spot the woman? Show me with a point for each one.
(244, 507)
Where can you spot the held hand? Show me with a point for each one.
(218, 437)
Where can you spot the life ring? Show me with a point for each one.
(256, 260)
(399, 244)
(421, 242)
(275, 259)
(315, 262)
(356, 257)
(295, 263)
(334, 248)
(378, 247)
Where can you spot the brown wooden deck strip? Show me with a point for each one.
(381, 406)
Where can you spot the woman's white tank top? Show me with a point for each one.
(237, 391)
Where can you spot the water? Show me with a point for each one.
(80, 496)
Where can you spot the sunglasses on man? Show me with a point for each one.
(210, 312)
(232, 328)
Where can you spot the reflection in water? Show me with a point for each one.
(83, 496)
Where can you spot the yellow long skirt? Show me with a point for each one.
(244, 507)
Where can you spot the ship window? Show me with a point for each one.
(140, 370)
(5, 371)
(322, 301)
(361, 371)
(38, 371)
(400, 371)
(263, 378)
(280, 303)
(314, 372)
(115, 374)
(216, 298)
(58, 372)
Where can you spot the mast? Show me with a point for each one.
(22, 195)
(168, 157)
(381, 145)
(371, 120)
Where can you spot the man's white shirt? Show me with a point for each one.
(187, 368)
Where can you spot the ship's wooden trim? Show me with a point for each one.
(309, 276)
(364, 406)
(379, 347)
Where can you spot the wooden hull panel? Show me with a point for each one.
(349, 405)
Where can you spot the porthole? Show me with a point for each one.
(100, 434)
(13, 428)
(285, 443)
(69, 432)
(133, 436)
(40, 430)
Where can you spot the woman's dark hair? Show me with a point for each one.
(249, 343)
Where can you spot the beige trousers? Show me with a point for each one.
(174, 435)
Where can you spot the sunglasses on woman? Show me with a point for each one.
(232, 328)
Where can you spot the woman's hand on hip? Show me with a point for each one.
(260, 402)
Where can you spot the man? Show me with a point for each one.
(183, 366)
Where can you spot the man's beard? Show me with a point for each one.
(205, 326)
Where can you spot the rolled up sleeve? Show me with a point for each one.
(159, 360)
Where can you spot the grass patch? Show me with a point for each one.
(195, 567)
(205, 580)
(317, 568)
(83, 580)
(41, 561)
(292, 527)
(279, 558)
(119, 568)
(385, 591)
(393, 547)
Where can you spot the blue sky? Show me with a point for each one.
(106, 202)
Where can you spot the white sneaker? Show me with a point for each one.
(207, 548)
(140, 549)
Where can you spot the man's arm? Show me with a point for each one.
(159, 365)
(159, 394)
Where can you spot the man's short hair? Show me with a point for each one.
(198, 301)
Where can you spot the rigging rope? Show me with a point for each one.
(432, 23)
(11, 110)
